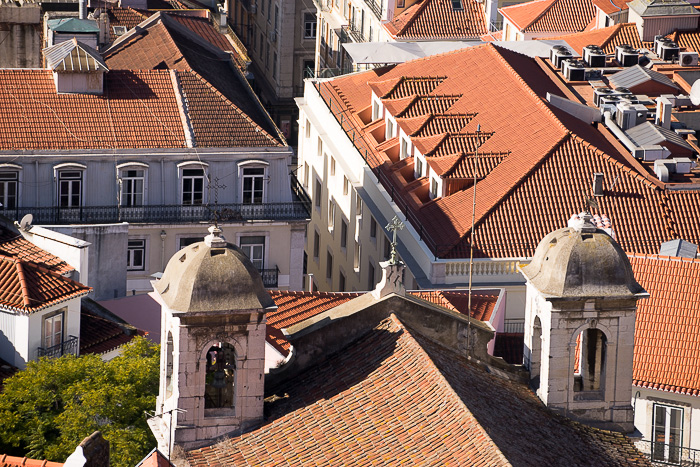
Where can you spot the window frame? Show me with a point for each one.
(250, 244)
(16, 171)
(60, 172)
(130, 264)
(666, 454)
(131, 166)
(310, 27)
(192, 165)
(49, 317)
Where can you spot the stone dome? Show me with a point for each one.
(581, 261)
(212, 275)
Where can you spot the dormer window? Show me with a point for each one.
(77, 68)
(457, 5)
(389, 128)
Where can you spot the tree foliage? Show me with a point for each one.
(48, 409)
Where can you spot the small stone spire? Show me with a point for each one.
(392, 270)
(215, 239)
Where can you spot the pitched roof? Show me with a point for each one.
(437, 19)
(544, 178)
(13, 244)
(667, 327)
(611, 6)
(172, 41)
(73, 56)
(26, 287)
(295, 307)
(550, 15)
(9, 461)
(393, 397)
(102, 331)
(127, 17)
(637, 75)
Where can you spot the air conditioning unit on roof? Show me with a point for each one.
(669, 51)
(688, 59)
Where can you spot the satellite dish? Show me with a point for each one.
(695, 93)
(26, 222)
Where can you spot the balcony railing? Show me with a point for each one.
(375, 7)
(300, 193)
(514, 326)
(353, 31)
(174, 214)
(663, 454)
(269, 277)
(67, 347)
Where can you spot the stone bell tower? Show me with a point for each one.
(213, 306)
(579, 325)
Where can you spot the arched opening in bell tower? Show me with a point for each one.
(220, 376)
(169, 354)
(589, 361)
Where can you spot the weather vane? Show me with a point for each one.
(394, 226)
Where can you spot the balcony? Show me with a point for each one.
(352, 31)
(269, 277)
(375, 7)
(67, 347)
(663, 454)
(157, 214)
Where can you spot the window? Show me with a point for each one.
(419, 167)
(253, 178)
(193, 186)
(136, 255)
(589, 374)
(306, 175)
(8, 189)
(389, 129)
(329, 266)
(308, 128)
(317, 194)
(308, 71)
(356, 257)
(375, 110)
(346, 185)
(433, 187)
(262, 42)
(53, 330)
(309, 26)
(269, 8)
(274, 65)
(187, 241)
(320, 146)
(404, 148)
(358, 205)
(332, 166)
(373, 228)
(668, 434)
(70, 187)
(277, 18)
(254, 249)
(317, 245)
(132, 186)
(400, 3)
(341, 281)
(345, 9)
(343, 234)
(370, 276)
(457, 5)
(220, 376)
(331, 214)
(169, 353)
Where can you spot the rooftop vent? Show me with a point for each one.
(679, 248)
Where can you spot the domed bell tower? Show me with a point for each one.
(579, 325)
(213, 306)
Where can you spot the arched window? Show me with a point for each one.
(220, 377)
(589, 360)
(169, 366)
(536, 353)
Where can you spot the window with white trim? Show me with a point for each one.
(70, 188)
(404, 148)
(389, 129)
(193, 186)
(136, 255)
(668, 434)
(309, 26)
(433, 187)
(52, 334)
(133, 180)
(9, 183)
(419, 167)
(253, 185)
(375, 110)
(254, 248)
(331, 214)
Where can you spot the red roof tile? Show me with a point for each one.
(99, 335)
(550, 15)
(667, 328)
(535, 188)
(12, 243)
(483, 302)
(611, 6)
(27, 288)
(436, 19)
(138, 109)
(395, 398)
(9, 461)
(127, 17)
(607, 38)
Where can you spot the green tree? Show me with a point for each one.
(48, 409)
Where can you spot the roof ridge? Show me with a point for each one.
(545, 11)
(613, 33)
(22, 282)
(525, 4)
(409, 21)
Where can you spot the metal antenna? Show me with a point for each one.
(471, 244)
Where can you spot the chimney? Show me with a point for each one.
(82, 9)
(663, 112)
(93, 451)
(597, 184)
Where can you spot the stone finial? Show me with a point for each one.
(394, 226)
(215, 239)
(392, 280)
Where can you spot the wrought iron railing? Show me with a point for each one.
(67, 347)
(300, 193)
(665, 454)
(514, 326)
(269, 277)
(176, 214)
(375, 7)
(353, 31)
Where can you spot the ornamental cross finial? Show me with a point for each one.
(216, 187)
(394, 226)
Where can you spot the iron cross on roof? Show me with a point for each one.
(216, 187)
(394, 226)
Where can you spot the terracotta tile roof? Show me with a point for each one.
(607, 38)
(667, 328)
(436, 19)
(611, 6)
(13, 244)
(483, 302)
(295, 307)
(26, 287)
(550, 15)
(550, 159)
(395, 398)
(9, 461)
(99, 335)
(127, 17)
(137, 109)
(220, 89)
(464, 166)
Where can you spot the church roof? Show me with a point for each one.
(395, 398)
